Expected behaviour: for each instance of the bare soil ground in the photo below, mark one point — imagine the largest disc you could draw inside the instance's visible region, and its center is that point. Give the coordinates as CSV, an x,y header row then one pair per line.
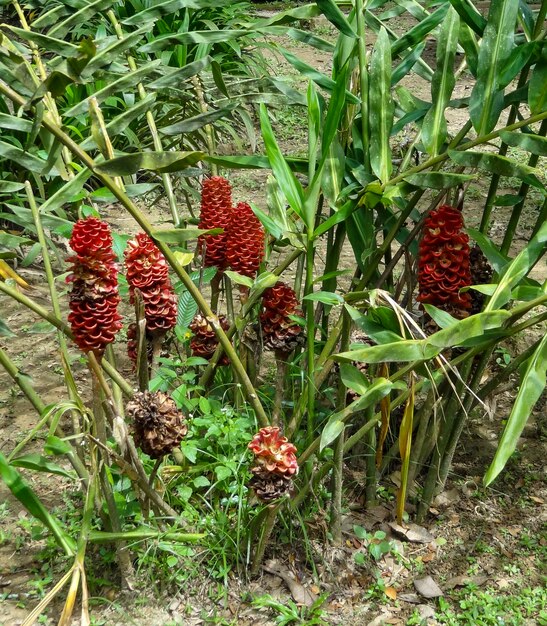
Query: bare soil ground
x,y
491,540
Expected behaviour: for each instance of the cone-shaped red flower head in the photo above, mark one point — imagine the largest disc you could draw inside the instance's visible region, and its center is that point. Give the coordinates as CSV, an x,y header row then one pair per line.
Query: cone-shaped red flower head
x,y
280,332
273,452
147,271
205,342
216,211
443,262
245,241
94,298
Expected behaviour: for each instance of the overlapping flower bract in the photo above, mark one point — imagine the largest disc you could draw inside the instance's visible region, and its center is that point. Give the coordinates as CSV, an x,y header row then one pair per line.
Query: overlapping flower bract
x,y
443,262
205,342
216,211
147,270
245,241
280,332
94,298
158,424
275,464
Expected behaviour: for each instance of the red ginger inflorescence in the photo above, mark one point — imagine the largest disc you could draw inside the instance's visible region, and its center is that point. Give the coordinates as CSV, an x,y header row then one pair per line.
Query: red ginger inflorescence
x,y
147,271
443,262
94,297
205,342
216,211
275,464
280,332
245,241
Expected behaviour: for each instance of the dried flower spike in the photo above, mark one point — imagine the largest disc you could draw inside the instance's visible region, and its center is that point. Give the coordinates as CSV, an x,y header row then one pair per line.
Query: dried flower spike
x,y
94,298
216,211
443,262
158,424
280,332
245,241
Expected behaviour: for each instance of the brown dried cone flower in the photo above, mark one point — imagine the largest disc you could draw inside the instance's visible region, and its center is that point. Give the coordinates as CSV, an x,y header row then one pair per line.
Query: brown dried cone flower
x,y
270,487
158,424
280,332
481,274
205,342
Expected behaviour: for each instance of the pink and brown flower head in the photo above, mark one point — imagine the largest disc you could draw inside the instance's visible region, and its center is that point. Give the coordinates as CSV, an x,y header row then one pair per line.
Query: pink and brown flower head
x,y
94,298
273,452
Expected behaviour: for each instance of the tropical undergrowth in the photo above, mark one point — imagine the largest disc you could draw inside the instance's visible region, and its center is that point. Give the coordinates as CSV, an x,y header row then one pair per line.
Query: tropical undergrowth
x,y
109,101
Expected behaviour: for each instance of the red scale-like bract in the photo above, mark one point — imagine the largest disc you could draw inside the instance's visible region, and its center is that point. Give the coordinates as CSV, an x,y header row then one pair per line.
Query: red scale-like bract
x,y
245,241
443,262
216,211
147,270
94,298
273,452
280,332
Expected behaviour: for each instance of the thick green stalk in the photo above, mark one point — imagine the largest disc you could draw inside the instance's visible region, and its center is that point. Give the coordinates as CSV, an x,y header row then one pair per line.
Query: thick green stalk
x,y
141,220
310,343
541,218
267,528
166,179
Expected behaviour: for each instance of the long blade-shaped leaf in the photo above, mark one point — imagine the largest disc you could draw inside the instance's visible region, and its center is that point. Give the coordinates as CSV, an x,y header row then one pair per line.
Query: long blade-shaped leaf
x,y
80,17
531,387
486,101
434,128
537,90
380,107
405,442
518,268
23,492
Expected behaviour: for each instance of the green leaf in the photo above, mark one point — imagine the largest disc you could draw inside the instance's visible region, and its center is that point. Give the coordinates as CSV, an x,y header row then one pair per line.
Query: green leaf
x,y
470,15
531,387
27,497
486,102
286,179
417,33
407,63
380,107
325,297
222,472
536,144
10,122
353,378
169,7
127,81
48,43
194,37
331,11
434,127
177,77
39,463
181,235
438,180
331,432
537,88
403,351
440,317
518,268
55,445
5,330
12,241
473,326
239,279
111,53
191,124
6,186
162,162
21,157
489,249
88,11
496,164
187,309
67,193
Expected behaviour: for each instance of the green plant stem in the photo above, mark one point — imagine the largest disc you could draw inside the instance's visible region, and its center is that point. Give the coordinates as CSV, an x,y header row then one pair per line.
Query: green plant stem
x,y
247,308
166,179
371,480
281,363
267,528
22,381
541,219
310,343
141,220
522,192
